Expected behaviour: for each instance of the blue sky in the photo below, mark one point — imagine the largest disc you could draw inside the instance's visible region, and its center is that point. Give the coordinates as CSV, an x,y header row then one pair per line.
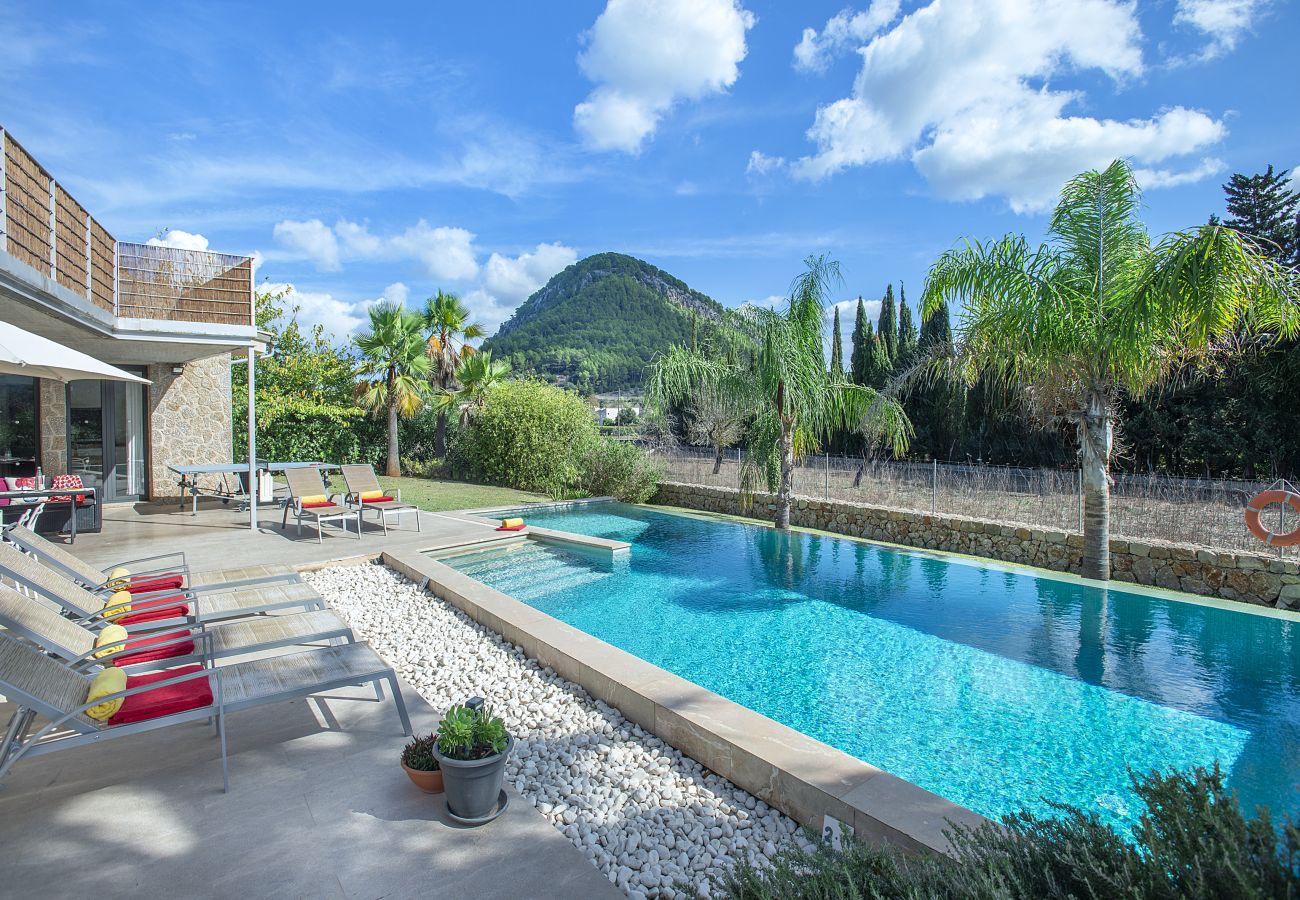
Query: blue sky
x,y
385,150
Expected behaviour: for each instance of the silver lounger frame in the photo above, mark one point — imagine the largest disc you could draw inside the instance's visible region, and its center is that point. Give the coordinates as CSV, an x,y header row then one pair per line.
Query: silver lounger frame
x,y
18,743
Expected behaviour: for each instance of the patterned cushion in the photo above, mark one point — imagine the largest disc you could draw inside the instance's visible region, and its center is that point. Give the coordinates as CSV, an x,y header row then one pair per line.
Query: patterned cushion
x,y
66,481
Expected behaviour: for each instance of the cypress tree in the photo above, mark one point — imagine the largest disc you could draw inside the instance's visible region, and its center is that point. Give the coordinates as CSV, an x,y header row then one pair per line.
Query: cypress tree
x,y
906,332
887,328
837,349
861,346
879,368
1264,207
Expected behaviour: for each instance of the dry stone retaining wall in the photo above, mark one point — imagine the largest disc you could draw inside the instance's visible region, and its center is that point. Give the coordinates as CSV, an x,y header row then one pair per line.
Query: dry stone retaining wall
x,y
1247,577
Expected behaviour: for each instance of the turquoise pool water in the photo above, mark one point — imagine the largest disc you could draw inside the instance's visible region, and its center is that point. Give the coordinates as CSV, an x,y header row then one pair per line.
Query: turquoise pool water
x,y
995,689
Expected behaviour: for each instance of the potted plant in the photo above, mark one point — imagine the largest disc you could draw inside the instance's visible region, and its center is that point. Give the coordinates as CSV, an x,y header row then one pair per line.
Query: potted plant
x,y
472,747
420,765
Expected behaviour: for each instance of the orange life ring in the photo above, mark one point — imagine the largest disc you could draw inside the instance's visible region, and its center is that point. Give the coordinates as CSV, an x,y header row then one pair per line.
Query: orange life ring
x,y
1256,506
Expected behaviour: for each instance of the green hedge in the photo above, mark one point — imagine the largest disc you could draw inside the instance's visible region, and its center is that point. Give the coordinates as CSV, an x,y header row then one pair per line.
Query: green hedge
x,y
294,429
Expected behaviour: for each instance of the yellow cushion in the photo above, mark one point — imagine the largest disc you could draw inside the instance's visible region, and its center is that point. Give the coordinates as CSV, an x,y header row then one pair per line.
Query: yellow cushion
x,y
371,495
511,523
119,579
315,498
117,605
110,640
110,681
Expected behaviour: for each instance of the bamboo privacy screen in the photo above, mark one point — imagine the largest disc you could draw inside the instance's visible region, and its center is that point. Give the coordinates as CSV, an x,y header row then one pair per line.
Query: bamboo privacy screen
x,y
183,285
27,207
45,227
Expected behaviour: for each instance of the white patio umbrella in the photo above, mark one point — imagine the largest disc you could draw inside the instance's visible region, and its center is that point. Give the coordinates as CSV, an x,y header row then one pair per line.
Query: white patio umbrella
x,y
24,353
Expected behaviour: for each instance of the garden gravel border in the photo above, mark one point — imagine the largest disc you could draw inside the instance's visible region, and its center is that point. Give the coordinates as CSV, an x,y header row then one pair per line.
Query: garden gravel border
x,y
654,821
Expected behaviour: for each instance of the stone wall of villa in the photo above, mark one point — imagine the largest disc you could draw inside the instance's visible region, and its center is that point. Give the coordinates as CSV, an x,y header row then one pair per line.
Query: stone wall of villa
x,y
1247,577
190,419
54,426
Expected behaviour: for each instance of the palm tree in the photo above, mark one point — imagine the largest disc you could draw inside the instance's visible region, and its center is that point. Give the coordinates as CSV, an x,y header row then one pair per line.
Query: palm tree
x,y
784,385
447,320
393,370
1099,310
475,378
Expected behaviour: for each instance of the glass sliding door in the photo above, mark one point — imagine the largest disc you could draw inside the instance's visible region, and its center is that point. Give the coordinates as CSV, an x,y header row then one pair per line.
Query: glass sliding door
x,y
86,433
128,439
106,437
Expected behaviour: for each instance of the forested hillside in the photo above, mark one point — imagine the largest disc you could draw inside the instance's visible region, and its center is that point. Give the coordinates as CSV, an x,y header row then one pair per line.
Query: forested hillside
x,y
599,322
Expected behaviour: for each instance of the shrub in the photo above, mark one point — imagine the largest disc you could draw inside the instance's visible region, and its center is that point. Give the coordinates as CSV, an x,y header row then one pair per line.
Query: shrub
x,y
619,470
1193,841
529,435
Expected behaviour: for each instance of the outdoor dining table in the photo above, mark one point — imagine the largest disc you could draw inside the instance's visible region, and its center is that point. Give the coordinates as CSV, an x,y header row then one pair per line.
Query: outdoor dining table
x,y
48,495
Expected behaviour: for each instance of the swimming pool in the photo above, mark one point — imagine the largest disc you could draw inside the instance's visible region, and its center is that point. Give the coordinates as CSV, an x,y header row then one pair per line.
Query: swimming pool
x,y
993,687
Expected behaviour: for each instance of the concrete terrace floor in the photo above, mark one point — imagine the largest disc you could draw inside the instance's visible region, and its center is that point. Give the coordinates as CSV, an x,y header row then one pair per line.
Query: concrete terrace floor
x,y
318,805
219,537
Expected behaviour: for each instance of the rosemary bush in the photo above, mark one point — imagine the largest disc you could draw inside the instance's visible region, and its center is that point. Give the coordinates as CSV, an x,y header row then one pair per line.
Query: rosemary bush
x,y
1192,841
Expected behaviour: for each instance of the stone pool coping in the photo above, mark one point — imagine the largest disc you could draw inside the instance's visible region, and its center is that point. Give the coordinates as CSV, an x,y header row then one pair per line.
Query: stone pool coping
x,y
800,776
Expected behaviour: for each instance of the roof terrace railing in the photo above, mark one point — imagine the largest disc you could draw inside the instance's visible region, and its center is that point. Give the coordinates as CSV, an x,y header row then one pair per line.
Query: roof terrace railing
x,y
42,225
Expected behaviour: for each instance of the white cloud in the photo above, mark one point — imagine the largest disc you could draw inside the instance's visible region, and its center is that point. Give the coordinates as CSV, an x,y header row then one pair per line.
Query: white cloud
x,y
1224,22
338,317
959,88
444,252
511,281
762,164
646,55
1158,178
487,310
846,28
183,240
312,239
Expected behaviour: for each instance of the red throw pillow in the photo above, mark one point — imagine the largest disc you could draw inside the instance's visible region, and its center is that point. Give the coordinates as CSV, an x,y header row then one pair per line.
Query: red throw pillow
x,y
66,481
319,504
164,701
383,499
142,650
147,584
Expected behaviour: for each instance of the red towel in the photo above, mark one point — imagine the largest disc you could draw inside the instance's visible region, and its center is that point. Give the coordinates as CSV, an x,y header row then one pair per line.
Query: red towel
x,y
383,499
147,584
142,650
511,528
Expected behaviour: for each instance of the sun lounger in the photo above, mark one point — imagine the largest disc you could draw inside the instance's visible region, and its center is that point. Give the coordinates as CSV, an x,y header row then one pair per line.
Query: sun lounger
x,y
309,499
74,642
365,494
177,607
50,688
149,574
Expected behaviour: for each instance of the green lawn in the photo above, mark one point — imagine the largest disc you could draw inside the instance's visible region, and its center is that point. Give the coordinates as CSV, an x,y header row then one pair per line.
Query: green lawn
x,y
438,496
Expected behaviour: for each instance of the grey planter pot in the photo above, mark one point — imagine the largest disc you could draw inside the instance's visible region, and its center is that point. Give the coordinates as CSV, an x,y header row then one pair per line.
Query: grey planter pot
x,y
473,786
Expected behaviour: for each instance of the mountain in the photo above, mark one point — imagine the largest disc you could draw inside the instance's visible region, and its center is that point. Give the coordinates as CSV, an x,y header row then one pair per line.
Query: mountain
x,y
599,322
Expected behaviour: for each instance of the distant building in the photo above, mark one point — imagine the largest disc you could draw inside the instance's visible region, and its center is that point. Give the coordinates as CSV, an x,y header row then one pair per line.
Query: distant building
x,y
608,415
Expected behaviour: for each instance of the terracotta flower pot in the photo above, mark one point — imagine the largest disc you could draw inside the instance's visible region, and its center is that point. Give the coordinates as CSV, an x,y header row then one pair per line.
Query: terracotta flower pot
x,y
429,782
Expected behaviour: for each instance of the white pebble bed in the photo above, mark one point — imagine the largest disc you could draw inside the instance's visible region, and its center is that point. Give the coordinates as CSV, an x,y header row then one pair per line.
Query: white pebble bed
x,y
648,817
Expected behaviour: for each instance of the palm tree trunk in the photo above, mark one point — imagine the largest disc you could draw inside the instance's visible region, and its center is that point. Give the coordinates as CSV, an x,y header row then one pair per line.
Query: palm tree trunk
x,y
787,477
440,437
717,459
1095,439
394,466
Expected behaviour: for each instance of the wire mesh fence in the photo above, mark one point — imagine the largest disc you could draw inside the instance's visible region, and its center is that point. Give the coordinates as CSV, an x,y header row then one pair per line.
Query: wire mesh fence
x,y
1188,511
